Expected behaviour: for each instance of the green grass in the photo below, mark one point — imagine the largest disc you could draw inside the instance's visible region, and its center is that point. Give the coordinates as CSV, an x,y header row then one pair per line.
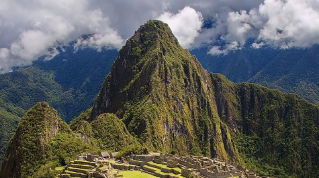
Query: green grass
x,y
59,168
135,174
163,173
85,166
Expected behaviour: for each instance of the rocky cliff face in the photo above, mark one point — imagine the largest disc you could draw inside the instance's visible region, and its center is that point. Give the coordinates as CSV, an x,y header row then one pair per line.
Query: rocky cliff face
x,y
167,100
164,96
27,148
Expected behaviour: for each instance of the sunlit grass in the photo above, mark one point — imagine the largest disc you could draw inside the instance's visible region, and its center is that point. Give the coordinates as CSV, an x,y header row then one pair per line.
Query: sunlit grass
x,y
59,168
135,174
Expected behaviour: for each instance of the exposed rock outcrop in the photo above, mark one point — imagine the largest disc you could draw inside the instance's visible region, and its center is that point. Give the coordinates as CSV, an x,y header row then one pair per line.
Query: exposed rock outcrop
x,y
164,96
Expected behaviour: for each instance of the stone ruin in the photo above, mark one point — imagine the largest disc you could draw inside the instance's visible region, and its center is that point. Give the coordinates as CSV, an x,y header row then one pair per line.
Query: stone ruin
x,y
202,166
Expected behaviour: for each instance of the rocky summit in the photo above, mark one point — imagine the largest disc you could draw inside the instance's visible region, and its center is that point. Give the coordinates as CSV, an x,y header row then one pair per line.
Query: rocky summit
x,y
164,96
159,98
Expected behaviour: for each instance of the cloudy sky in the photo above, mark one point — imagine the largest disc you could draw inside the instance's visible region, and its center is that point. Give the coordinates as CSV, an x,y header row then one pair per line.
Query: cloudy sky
x,y
29,27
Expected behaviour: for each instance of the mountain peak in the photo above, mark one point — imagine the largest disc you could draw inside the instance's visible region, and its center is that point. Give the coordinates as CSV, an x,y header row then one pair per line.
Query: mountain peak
x,y
163,95
154,30
153,47
30,142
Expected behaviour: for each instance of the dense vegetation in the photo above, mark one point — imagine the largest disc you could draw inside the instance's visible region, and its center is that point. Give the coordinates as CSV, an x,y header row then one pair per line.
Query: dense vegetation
x,y
108,131
42,141
278,133
292,70
8,123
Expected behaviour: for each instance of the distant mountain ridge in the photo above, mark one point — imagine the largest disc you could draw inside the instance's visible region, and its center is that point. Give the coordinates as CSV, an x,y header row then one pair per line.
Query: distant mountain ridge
x,y
294,70
69,82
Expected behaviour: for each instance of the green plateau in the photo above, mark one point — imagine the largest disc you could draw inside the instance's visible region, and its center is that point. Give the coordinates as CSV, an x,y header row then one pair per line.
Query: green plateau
x,y
159,98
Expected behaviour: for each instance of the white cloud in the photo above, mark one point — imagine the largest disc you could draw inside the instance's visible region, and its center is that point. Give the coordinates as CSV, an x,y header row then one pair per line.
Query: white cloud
x,y
29,28
215,50
257,45
234,45
41,24
283,24
290,23
218,50
30,44
4,56
185,25
242,25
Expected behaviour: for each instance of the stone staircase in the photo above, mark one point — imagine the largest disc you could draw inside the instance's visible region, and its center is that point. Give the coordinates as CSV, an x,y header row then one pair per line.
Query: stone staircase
x,y
82,169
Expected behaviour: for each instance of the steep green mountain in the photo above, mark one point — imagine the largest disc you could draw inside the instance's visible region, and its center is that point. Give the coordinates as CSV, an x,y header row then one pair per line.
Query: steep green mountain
x,y
170,103
292,70
278,134
164,96
27,149
69,82
41,142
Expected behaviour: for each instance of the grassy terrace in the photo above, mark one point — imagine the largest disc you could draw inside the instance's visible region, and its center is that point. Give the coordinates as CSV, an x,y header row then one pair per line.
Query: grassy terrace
x,y
59,168
84,166
164,166
135,174
163,173
71,172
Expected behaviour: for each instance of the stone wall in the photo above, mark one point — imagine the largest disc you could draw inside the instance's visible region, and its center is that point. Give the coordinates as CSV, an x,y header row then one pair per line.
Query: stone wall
x,y
211,168
97,175
87,162
138,163
146,158
120,166
148,169
186,172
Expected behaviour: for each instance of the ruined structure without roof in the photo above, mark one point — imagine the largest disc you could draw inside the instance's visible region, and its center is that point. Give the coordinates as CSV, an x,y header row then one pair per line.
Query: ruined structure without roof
x,y
202,166
173,166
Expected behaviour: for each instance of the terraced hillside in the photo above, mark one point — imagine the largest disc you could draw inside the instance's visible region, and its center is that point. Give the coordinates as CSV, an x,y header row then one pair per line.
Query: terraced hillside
x,y
153,164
